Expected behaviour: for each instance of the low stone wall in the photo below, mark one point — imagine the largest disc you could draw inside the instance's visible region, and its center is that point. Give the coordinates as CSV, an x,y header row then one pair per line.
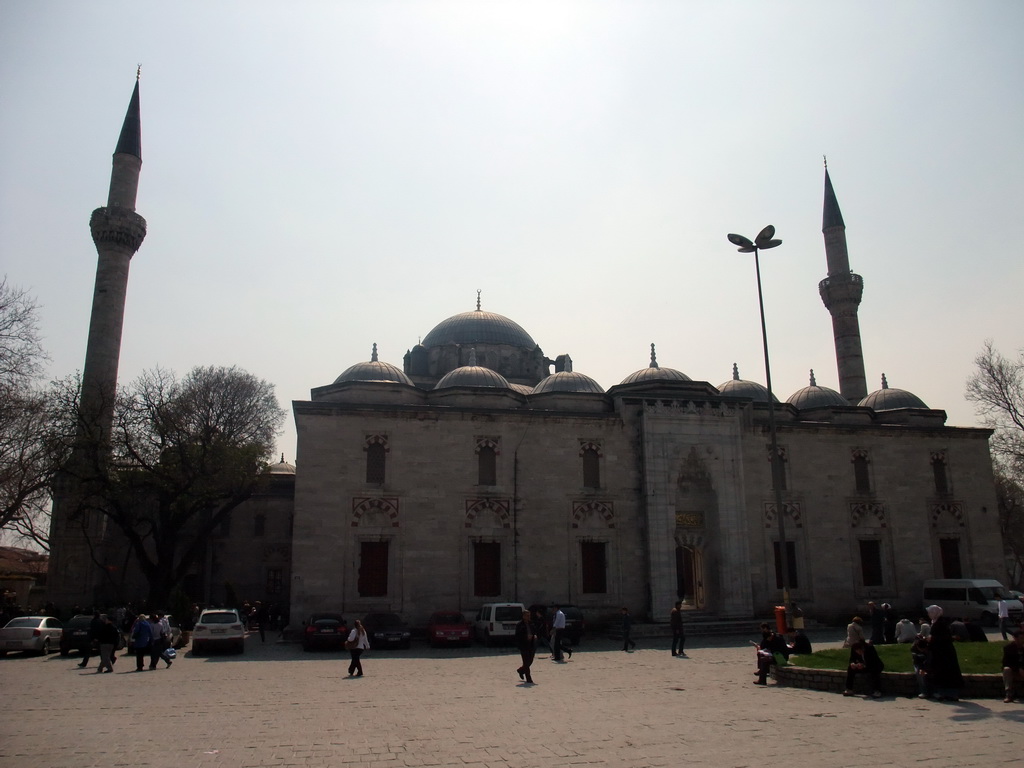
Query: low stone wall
x,y
893,683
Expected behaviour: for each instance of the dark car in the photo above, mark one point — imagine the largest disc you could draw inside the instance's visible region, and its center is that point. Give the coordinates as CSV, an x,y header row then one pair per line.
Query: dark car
x,y
324,631
449,628
76,636
386,630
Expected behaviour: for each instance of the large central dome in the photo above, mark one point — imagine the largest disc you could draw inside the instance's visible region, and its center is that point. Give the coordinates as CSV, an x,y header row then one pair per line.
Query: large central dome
x,y
478,327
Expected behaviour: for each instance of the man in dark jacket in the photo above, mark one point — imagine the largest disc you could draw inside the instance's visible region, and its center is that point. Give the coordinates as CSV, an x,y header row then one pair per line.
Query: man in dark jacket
x,y
93,639
864,661
526,641
628,643
1013,666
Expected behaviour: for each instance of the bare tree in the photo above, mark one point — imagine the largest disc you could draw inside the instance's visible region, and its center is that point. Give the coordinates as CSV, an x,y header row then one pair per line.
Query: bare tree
x,y
27,448
997,389
184,453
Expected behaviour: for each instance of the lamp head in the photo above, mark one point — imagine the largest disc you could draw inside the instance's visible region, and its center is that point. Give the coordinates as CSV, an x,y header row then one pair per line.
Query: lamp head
x,y
745,246
764,238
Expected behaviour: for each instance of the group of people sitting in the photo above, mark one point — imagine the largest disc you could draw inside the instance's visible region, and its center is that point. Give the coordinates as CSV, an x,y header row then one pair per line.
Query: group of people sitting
x,y
794,642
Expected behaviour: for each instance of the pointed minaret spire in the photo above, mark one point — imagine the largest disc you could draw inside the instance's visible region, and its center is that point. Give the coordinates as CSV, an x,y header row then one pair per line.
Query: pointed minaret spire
x,y
117,232
373,355
654,359
841,293
735,372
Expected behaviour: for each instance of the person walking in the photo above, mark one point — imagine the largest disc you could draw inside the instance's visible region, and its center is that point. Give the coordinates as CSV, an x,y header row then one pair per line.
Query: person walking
x,y
357,643
944,668
1003,610
107,637
675,620
557,628
142,639
526,640
628,643
93,637
161,639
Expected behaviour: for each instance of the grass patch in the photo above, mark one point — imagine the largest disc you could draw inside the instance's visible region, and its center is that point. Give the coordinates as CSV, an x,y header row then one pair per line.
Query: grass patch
x,y
975,658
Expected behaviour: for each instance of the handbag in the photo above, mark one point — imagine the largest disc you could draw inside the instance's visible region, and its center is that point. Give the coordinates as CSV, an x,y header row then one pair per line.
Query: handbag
x,y
351,645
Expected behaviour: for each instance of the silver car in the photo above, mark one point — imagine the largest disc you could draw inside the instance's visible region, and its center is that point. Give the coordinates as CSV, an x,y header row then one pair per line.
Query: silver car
x,y
39,634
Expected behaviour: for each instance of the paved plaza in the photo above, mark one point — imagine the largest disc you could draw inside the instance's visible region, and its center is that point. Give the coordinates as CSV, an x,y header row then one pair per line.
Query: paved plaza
x,y
278,706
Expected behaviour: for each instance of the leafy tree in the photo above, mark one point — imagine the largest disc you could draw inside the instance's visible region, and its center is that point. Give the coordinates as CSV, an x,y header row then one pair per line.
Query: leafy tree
x,y
183,454
29,451
997,389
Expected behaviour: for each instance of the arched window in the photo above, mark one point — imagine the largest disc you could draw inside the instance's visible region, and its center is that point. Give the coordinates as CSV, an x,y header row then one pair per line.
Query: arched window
x,y
375,463
487,466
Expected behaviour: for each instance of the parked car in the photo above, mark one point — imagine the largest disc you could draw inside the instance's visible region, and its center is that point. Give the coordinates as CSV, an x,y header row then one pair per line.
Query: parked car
x,y
38,634
449,628
496,622
324,631
75,636
219,628
386,630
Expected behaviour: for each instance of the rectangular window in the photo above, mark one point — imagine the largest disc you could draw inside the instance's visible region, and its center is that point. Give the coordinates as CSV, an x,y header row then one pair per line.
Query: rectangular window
x,y
486,569
591,469
487,466
790,563
594,567
375,463
373,569
871,562
949,551
860,475
779,472
275,581
941,480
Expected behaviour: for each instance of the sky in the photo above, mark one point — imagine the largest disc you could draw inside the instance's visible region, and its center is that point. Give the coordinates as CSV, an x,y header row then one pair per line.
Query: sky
x,y
321,176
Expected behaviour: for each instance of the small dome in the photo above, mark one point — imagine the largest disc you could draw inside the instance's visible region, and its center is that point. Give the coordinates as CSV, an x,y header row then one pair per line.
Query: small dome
x,y
473,375
478,327
654,372
522,389
568,381
889,399
281,468
374,371
737,387
814,396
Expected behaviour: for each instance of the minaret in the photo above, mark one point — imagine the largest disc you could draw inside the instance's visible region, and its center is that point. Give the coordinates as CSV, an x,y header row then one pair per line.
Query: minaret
x,y
117,231
841,292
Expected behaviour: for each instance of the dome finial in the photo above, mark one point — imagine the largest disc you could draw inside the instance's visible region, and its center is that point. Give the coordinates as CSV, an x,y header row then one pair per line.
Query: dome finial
x,y
282,458
654,359
735,372
477,299
373,355
813,382
885,384
472,356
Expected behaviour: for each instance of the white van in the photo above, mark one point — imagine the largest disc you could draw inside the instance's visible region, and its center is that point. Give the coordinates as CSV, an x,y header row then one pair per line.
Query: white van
x,y
971,599
497,621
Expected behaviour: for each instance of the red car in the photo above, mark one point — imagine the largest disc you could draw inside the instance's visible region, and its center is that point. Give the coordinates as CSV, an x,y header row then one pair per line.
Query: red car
x,y
449,628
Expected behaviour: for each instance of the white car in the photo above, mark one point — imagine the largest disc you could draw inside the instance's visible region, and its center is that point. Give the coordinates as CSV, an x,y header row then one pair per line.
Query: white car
x,y
219,628
39,634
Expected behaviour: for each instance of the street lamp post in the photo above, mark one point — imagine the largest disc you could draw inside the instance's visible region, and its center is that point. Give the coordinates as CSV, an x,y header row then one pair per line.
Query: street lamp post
x,y
764,241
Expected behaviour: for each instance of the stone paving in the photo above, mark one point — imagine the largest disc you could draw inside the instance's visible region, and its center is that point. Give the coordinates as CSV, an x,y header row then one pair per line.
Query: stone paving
x,y
278,706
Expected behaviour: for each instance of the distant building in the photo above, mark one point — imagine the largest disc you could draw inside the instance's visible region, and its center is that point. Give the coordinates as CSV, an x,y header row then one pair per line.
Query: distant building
x,y
22,577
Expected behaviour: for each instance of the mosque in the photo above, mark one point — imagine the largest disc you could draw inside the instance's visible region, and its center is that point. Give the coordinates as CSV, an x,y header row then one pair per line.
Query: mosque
x,y
481,470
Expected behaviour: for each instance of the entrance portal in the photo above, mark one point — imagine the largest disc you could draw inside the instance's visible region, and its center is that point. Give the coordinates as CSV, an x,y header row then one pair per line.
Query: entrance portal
x,y
690,577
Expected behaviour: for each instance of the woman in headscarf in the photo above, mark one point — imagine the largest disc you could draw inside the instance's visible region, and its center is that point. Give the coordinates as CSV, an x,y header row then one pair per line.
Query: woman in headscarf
x,y
944,675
